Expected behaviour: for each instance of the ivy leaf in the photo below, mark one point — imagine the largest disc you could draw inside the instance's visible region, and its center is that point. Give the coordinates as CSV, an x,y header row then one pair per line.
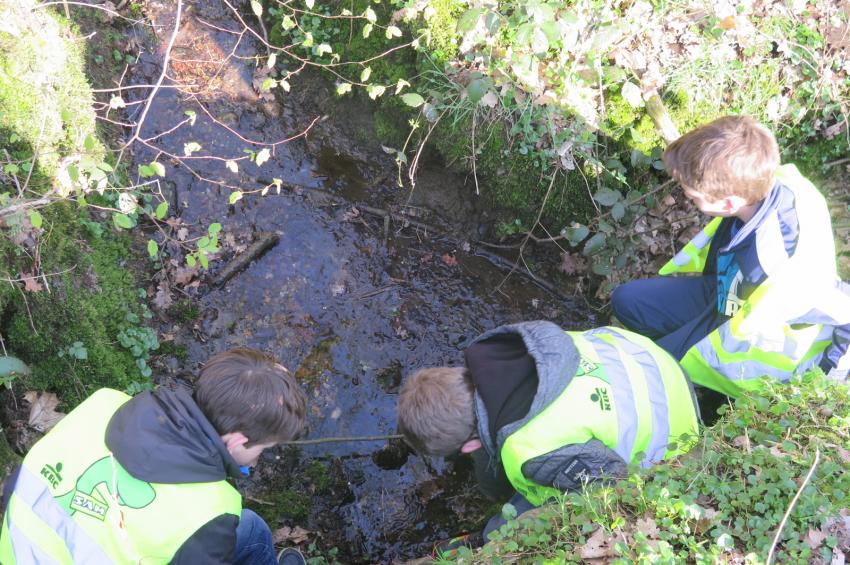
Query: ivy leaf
x,y
122,221
161,210
365,74
308,40
607,197
412,99
343,87
375,90
35,219
191,147
323,48
235,197
117,102
88,142
575,235
392,31
468,20
477,89
367,29
288,23
595,244
192,116
257,7
158,168
271,61
400,85
153,248
370,15
262,156
618,211
232,166
309,3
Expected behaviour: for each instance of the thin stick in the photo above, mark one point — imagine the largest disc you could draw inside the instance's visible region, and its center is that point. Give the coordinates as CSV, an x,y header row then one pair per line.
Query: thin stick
x,y
341,439
791,506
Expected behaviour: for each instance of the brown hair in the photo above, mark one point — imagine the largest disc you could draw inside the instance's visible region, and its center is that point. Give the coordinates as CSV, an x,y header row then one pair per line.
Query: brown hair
x,y
245,390
731,156
435,410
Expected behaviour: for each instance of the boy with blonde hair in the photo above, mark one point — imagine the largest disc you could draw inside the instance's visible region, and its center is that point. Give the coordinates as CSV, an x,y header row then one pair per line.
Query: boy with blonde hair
x,y
144,479
543,410
766,299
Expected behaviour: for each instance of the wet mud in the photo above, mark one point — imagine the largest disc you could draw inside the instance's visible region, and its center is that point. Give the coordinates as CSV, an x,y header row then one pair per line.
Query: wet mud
x,y
350,303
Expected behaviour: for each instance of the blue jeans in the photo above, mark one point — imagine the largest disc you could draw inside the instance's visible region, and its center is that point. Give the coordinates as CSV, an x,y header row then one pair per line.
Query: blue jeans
x,y
675,312
254,544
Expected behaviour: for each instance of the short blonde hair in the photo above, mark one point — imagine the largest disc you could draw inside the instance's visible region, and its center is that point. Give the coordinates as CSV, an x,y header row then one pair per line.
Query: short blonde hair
x,y
435,410
731,156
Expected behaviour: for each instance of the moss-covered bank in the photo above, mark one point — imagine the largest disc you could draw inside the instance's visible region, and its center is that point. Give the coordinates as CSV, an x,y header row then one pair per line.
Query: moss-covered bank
x,y
70,307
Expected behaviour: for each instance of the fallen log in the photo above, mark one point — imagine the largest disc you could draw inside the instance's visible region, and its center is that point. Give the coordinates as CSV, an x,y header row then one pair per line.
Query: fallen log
x,y
263,242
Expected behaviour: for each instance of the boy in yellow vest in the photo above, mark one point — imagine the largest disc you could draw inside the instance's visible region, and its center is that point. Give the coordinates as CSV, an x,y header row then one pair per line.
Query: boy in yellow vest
x,y
144,479
543,410
766,299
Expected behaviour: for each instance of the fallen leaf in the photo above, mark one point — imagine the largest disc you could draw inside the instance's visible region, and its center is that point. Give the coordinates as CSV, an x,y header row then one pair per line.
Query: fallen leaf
x,y
295,535
598,546
572,263
43,415
31,283
815,538
183,275
647,527
162,300
351,214
449,260
844,454
727,23
182,234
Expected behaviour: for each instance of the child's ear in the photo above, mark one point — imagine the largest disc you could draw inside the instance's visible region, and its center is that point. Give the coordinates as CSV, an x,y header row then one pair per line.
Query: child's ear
x,y
470,446
234,440
731,204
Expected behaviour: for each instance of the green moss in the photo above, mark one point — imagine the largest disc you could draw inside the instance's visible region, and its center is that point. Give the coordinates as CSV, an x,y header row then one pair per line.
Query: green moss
x,y
319,476
280,504
178,351
184,310
88,294
45,100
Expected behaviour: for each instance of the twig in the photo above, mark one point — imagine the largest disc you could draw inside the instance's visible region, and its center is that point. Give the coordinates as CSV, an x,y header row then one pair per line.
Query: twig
x,y
791,506
837,161
14,177
161,76
474,172
14,208
341,439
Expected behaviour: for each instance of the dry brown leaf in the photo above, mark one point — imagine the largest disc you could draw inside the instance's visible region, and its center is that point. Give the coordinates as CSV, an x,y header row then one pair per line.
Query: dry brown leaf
x,y
449,260
647,527
572,263
598,546
295,535
843,453
162,300
183,275
43,415
182,234
727,23
815,538
351,214
31,283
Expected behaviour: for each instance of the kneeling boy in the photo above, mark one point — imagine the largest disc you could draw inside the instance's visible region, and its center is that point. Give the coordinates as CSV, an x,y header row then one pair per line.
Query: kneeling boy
x,y
545,410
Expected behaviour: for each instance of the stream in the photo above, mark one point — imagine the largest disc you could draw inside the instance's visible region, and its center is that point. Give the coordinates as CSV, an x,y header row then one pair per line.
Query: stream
x,y
349,303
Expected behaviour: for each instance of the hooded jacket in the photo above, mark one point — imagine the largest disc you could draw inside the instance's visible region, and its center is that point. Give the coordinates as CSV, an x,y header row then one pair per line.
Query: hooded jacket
x,y
163,437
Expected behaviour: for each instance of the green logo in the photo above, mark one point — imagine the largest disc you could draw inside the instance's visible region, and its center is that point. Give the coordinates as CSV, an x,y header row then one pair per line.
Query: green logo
x,y
52,474
600,396
85,496
585,366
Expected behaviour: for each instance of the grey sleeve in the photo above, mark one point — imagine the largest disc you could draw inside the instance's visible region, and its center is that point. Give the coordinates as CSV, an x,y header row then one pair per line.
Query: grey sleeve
x,y
567,467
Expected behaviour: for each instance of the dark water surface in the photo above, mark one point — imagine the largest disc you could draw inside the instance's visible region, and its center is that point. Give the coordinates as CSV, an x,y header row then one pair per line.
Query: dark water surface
x,y
350,311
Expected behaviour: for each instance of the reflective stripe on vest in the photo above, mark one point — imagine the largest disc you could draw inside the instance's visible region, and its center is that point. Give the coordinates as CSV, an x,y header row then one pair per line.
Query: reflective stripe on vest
x,y
22,550
33,492
656,397
692,258
650,408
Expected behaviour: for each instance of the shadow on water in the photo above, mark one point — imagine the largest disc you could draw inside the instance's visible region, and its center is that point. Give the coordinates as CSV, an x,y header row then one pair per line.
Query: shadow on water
x,y
350,311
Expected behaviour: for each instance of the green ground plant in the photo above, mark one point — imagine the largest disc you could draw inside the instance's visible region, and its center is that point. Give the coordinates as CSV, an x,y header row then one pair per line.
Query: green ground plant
x,y
766,480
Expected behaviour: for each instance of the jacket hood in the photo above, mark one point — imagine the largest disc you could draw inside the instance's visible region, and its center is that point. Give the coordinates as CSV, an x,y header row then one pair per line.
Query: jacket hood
x,y
556,359
163,437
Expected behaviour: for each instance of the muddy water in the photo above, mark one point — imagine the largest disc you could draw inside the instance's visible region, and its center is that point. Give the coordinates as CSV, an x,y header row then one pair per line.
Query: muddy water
x,y
349,306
